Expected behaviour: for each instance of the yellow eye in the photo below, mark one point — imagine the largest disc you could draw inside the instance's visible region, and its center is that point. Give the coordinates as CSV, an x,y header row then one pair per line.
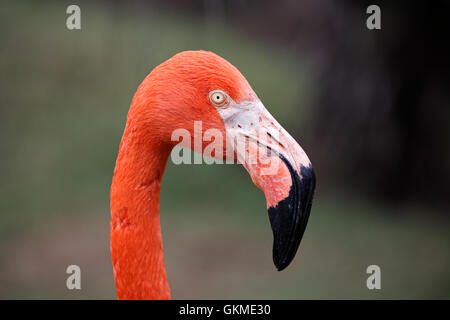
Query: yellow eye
x,y
217,97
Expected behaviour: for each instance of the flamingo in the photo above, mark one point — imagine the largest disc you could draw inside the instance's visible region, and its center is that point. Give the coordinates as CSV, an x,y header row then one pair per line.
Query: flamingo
x,y
198,86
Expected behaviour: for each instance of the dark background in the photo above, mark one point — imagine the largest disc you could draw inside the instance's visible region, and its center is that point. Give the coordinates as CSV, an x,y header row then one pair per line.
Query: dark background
x,y
370,107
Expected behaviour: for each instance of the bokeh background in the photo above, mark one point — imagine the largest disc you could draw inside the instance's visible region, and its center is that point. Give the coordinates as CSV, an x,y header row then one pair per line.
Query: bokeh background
x,y
371,109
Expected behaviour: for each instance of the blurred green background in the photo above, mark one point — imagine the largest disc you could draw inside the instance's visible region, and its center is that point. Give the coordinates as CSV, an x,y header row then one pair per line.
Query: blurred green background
x,y
64,96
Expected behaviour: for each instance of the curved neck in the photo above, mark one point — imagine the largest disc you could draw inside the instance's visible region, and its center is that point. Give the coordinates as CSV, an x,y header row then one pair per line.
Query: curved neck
x,y
136,243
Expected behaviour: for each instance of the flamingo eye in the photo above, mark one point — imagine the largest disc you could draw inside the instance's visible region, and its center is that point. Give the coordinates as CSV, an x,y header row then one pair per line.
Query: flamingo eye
x,y
218,98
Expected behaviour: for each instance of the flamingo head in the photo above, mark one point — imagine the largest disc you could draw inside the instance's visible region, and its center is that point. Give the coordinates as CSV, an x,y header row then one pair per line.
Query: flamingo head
x,y
201,87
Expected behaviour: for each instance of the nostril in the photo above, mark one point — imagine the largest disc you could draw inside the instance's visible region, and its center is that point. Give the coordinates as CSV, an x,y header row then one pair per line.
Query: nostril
x,y
272,138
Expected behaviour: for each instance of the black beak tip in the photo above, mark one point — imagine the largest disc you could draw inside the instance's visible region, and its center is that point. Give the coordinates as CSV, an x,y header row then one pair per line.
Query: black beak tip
x,y
279,266
289,218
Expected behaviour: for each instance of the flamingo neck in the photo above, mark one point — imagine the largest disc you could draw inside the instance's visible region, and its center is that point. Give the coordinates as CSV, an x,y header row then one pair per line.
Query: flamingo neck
x,y
136,243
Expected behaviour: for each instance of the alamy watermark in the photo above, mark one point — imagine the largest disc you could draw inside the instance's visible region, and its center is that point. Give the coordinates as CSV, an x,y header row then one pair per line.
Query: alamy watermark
x,y
373,22
374,280
73,21
250,149
74,280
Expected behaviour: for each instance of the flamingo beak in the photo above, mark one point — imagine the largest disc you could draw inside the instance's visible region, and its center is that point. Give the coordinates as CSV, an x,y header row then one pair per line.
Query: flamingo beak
x,y
289,216
279,167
